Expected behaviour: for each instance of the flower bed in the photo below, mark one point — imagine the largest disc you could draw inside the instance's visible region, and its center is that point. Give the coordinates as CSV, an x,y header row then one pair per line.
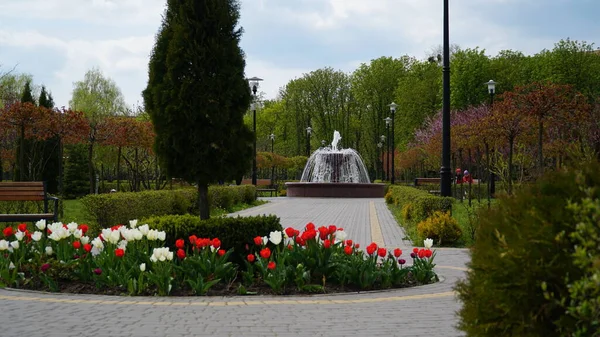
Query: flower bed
x,y
132,260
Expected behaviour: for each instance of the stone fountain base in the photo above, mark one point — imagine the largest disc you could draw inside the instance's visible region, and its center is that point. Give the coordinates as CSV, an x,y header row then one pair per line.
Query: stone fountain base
x,y
335,190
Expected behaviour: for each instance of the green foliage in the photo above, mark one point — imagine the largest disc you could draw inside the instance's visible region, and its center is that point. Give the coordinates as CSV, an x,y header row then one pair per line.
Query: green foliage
x,y
234,233
516,284
441,227
118,208
422,203
76,181
584,293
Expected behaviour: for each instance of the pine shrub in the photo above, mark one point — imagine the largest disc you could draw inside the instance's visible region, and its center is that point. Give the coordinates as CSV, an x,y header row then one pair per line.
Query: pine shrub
x,y
522,265
441,227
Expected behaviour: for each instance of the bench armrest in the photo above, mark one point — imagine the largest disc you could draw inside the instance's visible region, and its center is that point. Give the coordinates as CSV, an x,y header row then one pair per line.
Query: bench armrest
x,y
55,199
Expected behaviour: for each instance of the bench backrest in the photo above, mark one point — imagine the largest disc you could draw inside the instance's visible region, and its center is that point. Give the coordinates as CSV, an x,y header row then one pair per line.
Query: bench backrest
x,y
22,191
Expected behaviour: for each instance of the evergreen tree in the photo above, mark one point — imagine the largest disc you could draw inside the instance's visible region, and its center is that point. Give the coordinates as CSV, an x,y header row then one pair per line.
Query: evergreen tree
x,y
197,94
76,179
24,145
50,149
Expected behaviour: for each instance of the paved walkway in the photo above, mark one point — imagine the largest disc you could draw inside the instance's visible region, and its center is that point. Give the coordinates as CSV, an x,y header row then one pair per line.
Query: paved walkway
x,y
420,311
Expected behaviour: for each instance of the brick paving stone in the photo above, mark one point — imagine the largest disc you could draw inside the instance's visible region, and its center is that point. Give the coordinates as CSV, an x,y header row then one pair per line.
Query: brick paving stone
x,y
401,312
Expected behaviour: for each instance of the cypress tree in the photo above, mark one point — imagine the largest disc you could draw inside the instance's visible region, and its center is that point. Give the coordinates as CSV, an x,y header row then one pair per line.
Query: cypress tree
x,y
197,94
50,149
24,145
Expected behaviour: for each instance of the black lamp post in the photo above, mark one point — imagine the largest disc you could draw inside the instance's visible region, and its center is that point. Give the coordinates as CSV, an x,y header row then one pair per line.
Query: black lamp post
x,y
272,137
446,171
382,138
393,107
254,87
388,121
380,159
308,133
492,183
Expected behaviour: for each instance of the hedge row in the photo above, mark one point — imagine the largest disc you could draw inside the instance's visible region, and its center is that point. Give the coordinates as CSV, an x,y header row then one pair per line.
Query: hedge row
x,y
234,233
118,208
417,205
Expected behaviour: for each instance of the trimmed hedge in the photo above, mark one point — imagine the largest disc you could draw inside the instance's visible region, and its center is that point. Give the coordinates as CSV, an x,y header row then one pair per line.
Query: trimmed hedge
x,y
522,277
234,233
418,205
118,208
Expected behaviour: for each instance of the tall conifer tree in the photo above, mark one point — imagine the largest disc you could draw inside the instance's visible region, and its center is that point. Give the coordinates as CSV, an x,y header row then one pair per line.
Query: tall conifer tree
x,y
197,94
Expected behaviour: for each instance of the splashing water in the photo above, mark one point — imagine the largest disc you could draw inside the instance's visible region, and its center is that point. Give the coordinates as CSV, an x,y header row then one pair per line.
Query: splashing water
x,y
334,165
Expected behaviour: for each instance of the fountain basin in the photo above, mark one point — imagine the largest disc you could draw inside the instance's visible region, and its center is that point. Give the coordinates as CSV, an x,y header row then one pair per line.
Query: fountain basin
x,y
335,190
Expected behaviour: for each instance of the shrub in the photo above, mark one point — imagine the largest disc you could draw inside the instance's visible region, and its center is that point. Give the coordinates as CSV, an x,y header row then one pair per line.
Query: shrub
x,y
76,179
441,227
118,208
407,211
516,284
234,232
423,203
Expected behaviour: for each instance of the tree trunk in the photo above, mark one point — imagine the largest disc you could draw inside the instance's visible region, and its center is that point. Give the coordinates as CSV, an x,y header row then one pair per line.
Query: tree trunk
x,y
203,201
60,167
511,142
540,147
91,166
119,169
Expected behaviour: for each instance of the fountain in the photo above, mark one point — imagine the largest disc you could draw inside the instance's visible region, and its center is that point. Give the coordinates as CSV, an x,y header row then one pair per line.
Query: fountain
x,y
334,172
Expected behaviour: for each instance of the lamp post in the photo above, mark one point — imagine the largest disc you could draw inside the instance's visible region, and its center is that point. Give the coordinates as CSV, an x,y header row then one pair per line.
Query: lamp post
x,y
380,149
388,121
272,137
492,181
253,82
445,171
382,138
393,107
323,142
308,133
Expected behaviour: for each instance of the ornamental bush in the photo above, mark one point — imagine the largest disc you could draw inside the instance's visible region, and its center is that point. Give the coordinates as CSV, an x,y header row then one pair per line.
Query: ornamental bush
x,y
423,203
234,232
522,273
441,227
115,208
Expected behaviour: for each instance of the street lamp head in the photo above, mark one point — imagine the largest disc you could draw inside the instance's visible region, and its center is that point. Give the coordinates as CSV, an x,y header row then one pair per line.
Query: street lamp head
x,y
323,142
379,145
309,130
382,137
272,136
491,87
387,120
253,82
393,107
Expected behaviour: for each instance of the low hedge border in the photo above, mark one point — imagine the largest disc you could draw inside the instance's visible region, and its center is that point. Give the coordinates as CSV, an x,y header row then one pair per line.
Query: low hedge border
x,y
118,208
233,232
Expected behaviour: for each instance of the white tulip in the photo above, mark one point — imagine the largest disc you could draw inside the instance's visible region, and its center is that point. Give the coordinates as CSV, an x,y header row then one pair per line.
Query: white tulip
x,y
49,250
275,237
142,266
77,234
72,227
144,229
133,223
19,235
122,244
340,236
265,240
84,239
15,244
137,235
3,245
11,266
36,236
162,235
428,243
41,225
153,258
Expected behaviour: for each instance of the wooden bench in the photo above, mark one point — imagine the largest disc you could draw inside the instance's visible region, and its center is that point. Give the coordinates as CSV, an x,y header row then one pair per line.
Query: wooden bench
x,y
419,181
27,191
263,185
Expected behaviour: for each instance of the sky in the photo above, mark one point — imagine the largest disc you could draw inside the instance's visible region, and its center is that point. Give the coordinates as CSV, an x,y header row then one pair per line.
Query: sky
x,y
57,41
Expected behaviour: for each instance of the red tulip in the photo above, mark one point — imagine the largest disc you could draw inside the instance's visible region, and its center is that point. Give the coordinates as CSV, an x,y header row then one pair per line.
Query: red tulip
x,y
356,245
76,244
382,252
309,226
348,250
193,239
181,254
22,227
179,243
87,247
8,231
397,252
258,241
371,248
271,265
221,252
348,242
265,253
332,229
428,253
327,244
416,250
250,258
216,243
84,228
323,232
421,253
119,252
290,232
